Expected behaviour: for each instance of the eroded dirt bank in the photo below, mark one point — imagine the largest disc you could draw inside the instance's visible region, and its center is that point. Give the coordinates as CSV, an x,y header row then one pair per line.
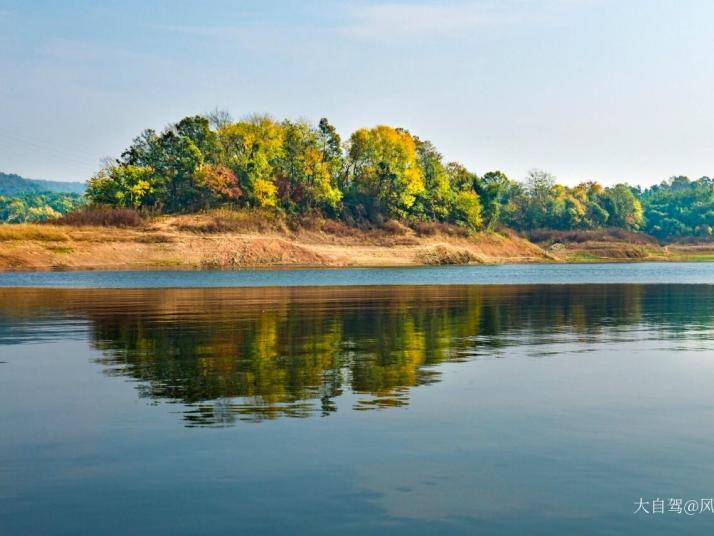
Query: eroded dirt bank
x,y
208,242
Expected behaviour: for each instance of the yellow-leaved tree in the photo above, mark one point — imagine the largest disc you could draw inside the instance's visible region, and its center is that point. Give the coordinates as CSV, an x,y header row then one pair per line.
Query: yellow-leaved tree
x,y
253,148
384,170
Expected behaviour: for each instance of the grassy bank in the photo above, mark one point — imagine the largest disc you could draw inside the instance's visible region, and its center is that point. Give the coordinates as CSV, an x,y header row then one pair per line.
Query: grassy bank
x,y
616,245
232,240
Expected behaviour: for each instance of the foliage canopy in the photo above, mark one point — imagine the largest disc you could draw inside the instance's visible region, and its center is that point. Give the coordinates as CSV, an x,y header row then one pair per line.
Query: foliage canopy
x,y
377,174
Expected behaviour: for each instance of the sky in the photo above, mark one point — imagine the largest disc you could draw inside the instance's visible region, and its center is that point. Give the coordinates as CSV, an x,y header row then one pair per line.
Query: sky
x,y
604,90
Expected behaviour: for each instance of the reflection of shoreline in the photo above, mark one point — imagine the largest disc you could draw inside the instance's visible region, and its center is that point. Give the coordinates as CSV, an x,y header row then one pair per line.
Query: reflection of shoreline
x,y
263,353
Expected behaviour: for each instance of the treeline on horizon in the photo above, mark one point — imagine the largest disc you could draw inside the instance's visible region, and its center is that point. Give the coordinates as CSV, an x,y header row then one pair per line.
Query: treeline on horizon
x,y
377,174
29,207
32,200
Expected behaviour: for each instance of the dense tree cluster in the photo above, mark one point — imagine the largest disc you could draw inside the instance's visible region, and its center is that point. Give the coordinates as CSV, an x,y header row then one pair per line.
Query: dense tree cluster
x,y
377,174
540,202
680,208
37,207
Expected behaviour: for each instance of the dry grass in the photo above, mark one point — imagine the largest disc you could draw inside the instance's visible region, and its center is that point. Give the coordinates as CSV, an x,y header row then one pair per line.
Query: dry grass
x,y
50,233
706,241
432,228
395,228
30,231
319,224
232,240
262,252
442,254
157,238
103,217
551,236
307,227
338,228
391,231
232,221
616,253
65,250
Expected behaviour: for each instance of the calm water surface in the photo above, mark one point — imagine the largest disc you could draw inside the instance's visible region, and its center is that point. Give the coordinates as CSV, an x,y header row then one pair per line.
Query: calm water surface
x,y
649,272
475,409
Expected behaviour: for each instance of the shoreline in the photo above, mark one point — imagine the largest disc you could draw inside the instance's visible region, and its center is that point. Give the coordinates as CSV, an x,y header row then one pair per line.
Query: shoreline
x,y
191,243
123,268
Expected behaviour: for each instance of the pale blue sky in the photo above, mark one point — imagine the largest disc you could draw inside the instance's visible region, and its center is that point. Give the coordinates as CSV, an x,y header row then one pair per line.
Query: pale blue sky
x,y
587,89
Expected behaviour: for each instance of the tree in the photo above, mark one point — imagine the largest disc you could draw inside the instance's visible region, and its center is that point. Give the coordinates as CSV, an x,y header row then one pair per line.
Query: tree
x,y
384,171
219,118
331,144
180,158
467,210
197,130
38,214
173,156
35,207
435,200
680,207
570,210
380,173
332,151
624,208
590,194
145,150
537,204
307,180
217,184
123,186
253,148
493,189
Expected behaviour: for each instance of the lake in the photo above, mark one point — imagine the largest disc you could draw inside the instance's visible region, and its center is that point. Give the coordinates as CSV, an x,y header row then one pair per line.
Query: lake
x,y
526,408
649,272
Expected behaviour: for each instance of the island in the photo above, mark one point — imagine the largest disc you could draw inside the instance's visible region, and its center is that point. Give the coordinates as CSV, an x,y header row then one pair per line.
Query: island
x,y
209,192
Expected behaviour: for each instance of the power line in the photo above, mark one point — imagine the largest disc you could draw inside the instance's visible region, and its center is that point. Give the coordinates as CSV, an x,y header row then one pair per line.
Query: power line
x,y
12,142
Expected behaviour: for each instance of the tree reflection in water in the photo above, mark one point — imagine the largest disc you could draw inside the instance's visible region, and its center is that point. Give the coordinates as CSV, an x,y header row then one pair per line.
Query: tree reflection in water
x,y
263,353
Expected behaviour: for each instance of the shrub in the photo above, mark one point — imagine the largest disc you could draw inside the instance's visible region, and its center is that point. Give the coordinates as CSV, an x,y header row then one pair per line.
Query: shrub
x,y
394,227
103,216
550,236
234,221
431,228
442,254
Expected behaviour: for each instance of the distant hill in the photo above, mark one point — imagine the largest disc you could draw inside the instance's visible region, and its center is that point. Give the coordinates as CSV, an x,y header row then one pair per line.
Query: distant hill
x,y
11,184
